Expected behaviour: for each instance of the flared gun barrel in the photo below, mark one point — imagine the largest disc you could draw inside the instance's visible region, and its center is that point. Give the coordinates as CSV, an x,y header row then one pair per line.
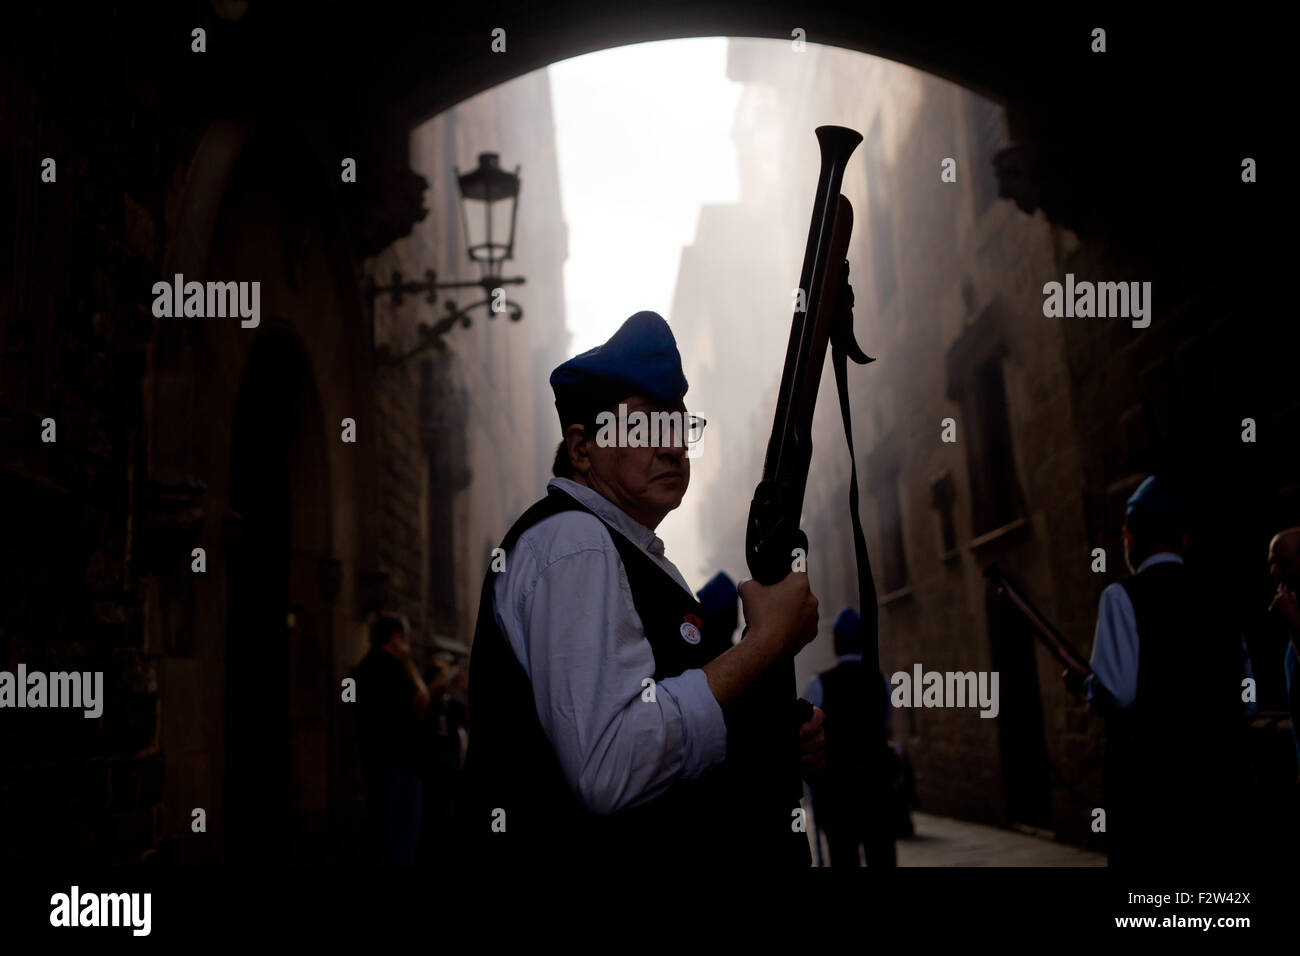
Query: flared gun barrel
x,y
774,515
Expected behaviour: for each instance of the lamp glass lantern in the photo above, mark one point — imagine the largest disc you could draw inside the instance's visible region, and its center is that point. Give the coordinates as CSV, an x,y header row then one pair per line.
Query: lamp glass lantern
x,y
489,200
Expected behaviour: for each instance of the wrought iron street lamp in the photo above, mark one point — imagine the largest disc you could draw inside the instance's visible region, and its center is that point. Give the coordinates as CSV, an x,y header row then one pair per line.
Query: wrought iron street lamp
x,y
489,200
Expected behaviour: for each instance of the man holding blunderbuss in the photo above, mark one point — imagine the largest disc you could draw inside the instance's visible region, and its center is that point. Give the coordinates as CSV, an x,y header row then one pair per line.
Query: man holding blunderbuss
x,y
611,721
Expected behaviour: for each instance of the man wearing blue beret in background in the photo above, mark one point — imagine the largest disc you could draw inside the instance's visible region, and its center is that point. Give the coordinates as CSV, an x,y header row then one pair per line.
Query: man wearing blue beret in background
x,y
1167,675
721,603
613,723
856,701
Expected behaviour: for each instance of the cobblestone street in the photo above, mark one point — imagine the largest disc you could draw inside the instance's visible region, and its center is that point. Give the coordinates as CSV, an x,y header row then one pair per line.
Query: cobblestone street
x,y
943,841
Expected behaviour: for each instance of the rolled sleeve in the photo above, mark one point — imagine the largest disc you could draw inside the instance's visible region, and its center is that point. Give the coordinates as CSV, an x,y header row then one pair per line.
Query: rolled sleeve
x,y
704,730
589,659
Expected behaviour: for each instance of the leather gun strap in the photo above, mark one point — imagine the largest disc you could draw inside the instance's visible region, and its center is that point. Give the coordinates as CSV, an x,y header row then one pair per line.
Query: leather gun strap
x,y
866,584
879,845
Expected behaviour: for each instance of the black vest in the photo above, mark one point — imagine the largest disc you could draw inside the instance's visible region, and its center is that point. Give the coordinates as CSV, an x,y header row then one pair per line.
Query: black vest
x,y
855,737
740,811
1176,757
1190,664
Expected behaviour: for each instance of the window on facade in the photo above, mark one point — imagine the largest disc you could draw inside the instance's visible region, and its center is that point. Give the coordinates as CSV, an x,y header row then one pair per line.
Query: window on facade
x,y
442,405
994,489
893,558
942,498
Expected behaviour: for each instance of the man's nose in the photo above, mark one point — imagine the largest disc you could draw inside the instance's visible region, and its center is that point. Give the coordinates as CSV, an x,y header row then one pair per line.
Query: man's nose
x,y
675,451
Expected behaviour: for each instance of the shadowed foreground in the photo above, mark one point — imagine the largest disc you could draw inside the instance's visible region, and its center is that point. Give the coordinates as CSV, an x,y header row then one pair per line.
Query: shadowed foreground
x,y
943,841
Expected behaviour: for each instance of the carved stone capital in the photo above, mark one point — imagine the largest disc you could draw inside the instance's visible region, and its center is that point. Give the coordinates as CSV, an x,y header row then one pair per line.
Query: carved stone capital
x,y
387,207
1070,191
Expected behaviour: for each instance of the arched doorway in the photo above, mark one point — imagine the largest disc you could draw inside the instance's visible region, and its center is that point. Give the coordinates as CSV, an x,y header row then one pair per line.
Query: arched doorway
x,y
278,645
236,421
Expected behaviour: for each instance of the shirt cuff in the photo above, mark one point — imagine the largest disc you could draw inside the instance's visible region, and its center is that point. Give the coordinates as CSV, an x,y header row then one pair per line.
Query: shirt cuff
x,y
704,731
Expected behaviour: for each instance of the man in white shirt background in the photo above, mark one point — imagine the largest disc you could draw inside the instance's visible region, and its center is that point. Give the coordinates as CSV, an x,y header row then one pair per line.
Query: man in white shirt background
x,y
1167,675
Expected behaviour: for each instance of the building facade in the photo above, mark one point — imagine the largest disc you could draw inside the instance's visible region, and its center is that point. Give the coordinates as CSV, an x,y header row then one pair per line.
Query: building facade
x,y
208,510
986,433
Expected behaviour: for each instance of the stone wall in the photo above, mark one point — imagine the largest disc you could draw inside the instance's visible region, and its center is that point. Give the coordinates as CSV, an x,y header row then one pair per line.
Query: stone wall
x,y
157,173
946,278
489,429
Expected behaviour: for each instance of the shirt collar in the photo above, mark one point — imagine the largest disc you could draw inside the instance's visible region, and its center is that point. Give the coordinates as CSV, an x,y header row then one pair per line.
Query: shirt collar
x,y
630,528
1161,557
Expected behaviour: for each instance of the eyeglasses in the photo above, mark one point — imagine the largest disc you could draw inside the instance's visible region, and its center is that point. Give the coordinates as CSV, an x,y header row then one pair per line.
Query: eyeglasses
x,y
694,428
663,429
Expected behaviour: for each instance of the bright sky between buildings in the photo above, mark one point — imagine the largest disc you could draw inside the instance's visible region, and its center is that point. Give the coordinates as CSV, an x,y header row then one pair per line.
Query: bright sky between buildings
x,y
643,136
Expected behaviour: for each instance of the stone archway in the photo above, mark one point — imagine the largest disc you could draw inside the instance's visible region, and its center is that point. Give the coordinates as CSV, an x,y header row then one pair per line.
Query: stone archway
x,y
240,462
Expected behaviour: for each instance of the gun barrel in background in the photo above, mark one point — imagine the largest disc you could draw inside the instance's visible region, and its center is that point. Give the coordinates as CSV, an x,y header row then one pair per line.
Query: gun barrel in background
x,y
1047,633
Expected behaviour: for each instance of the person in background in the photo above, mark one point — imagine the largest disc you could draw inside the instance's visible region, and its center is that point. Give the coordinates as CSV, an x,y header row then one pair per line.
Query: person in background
x,y
1167,676
391,700
721,603
440,762
851,795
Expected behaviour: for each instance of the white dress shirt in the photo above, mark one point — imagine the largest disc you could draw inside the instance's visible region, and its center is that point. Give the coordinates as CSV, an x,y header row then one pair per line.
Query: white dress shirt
x,y
565,605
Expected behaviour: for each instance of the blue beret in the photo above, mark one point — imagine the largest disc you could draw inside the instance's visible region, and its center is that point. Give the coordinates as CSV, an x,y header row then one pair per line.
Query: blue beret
x,y
1155,497
848,624
719,594
641,358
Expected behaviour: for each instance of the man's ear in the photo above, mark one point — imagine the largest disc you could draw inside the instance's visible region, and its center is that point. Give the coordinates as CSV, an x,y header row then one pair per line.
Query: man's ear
x,y
575,441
